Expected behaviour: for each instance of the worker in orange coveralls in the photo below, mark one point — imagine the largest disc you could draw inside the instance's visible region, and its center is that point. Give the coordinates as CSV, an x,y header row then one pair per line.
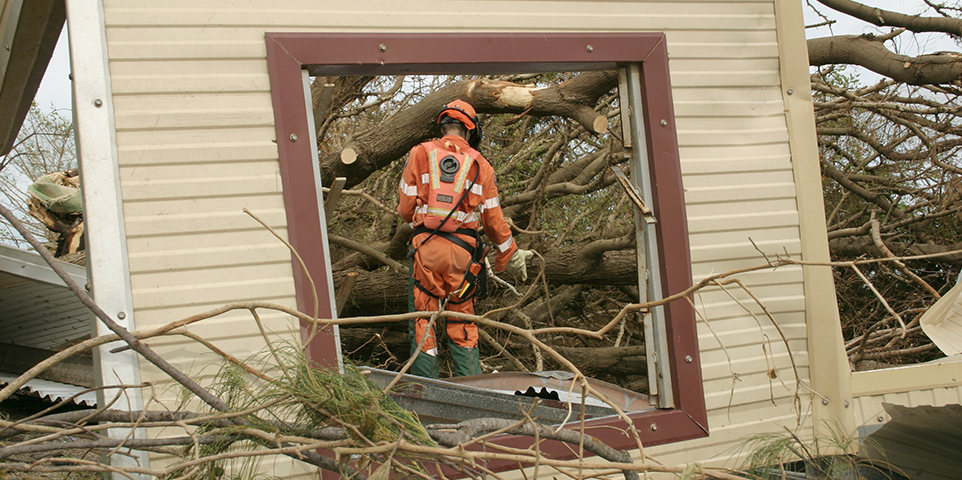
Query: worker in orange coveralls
x,y
445,184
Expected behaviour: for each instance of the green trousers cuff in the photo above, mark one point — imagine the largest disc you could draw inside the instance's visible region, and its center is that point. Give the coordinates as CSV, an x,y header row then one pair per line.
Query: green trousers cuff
x,y
466,360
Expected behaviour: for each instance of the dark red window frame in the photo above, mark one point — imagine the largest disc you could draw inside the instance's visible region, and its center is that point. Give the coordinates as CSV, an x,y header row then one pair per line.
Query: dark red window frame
x,y
450,53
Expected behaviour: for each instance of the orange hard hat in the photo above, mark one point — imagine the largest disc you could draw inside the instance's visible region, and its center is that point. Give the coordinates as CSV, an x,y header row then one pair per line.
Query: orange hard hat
x,y
461,111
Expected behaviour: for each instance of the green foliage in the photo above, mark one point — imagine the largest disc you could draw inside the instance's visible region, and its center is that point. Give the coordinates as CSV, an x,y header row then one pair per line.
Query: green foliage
x,y
775,456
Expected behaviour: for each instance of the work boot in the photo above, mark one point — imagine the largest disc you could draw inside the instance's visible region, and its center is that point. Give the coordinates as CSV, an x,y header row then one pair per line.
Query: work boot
x,y
467,361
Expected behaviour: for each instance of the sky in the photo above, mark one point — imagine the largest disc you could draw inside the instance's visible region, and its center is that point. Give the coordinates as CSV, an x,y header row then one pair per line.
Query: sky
x,y
55,88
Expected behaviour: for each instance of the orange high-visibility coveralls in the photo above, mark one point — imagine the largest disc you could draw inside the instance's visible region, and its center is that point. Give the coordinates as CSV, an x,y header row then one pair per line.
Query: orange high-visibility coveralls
x,y
439,265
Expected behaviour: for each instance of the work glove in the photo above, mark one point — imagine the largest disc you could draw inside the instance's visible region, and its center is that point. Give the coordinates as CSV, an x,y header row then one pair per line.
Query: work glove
x,y
516,265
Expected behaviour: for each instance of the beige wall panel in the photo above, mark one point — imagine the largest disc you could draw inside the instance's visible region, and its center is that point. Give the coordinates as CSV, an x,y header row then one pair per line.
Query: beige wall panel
x,y
749,389
728,239
234,326
735,179
697,211
211,257
164,315
724,133
160,173
159,112
742,221
722,78
176,217
715,44
387,15
254,235
747,360
745,252
194,186
712,336
747,155
136,44
215,294
739,192
190,76
215,145
737,332
720,303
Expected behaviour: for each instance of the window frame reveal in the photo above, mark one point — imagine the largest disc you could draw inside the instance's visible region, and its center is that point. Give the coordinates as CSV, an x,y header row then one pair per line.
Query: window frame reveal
x,y
293,57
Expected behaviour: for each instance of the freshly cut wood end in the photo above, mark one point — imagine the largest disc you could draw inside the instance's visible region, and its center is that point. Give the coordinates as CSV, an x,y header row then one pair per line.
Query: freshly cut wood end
x,y
348,156
600,124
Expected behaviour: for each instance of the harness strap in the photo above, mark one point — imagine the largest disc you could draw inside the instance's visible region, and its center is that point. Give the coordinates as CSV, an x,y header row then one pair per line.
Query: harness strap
x,y
452,302
451,237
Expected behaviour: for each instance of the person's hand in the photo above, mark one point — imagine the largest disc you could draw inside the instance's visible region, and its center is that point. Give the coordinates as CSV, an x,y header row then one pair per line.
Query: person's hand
x,y
516,265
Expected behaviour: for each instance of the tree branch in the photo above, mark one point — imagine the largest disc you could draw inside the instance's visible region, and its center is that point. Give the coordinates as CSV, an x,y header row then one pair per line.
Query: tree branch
x,y
886,18
867,51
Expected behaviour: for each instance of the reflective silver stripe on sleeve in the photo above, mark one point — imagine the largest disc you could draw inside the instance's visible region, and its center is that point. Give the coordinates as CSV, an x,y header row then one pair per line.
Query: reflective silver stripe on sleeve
x,y
422,209
503,247
491,203
425,177
408,190
477,189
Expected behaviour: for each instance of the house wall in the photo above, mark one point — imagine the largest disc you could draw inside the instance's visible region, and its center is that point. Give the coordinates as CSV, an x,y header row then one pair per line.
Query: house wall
x,y
195,145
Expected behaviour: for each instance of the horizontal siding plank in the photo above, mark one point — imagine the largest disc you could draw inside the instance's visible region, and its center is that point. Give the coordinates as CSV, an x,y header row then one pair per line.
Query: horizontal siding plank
x,y
201,257
151,318
733,193
199,188
721,110
184,291
748,389
162,112
764,238
742,221
732,332
745,251
386,15
211,215
698,159
190,147
731,131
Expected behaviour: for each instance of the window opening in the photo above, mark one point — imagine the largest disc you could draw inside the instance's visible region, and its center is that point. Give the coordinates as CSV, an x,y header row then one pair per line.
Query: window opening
x,y
557,186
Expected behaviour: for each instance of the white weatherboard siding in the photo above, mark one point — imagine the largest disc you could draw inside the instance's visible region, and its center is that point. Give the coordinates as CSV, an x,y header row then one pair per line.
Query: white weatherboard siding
x,y
196,144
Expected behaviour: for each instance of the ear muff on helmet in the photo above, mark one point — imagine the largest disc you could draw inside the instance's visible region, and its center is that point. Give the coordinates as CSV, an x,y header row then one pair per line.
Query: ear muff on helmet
x,y
463,113
475,139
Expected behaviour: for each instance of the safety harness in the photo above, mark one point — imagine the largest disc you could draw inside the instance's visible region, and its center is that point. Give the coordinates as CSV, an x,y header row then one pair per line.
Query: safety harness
x,y
447,179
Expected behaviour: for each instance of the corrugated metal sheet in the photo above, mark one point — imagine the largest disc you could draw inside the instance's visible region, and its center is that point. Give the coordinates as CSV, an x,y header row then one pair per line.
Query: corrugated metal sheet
x,y
36,308
53,391
195,136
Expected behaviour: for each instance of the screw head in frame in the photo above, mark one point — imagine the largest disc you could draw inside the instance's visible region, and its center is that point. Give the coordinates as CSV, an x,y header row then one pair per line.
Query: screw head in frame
x,y
382,47
98,103
790,91
653,427
824,401
664,123
121,315
590,49
293,137
688,358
